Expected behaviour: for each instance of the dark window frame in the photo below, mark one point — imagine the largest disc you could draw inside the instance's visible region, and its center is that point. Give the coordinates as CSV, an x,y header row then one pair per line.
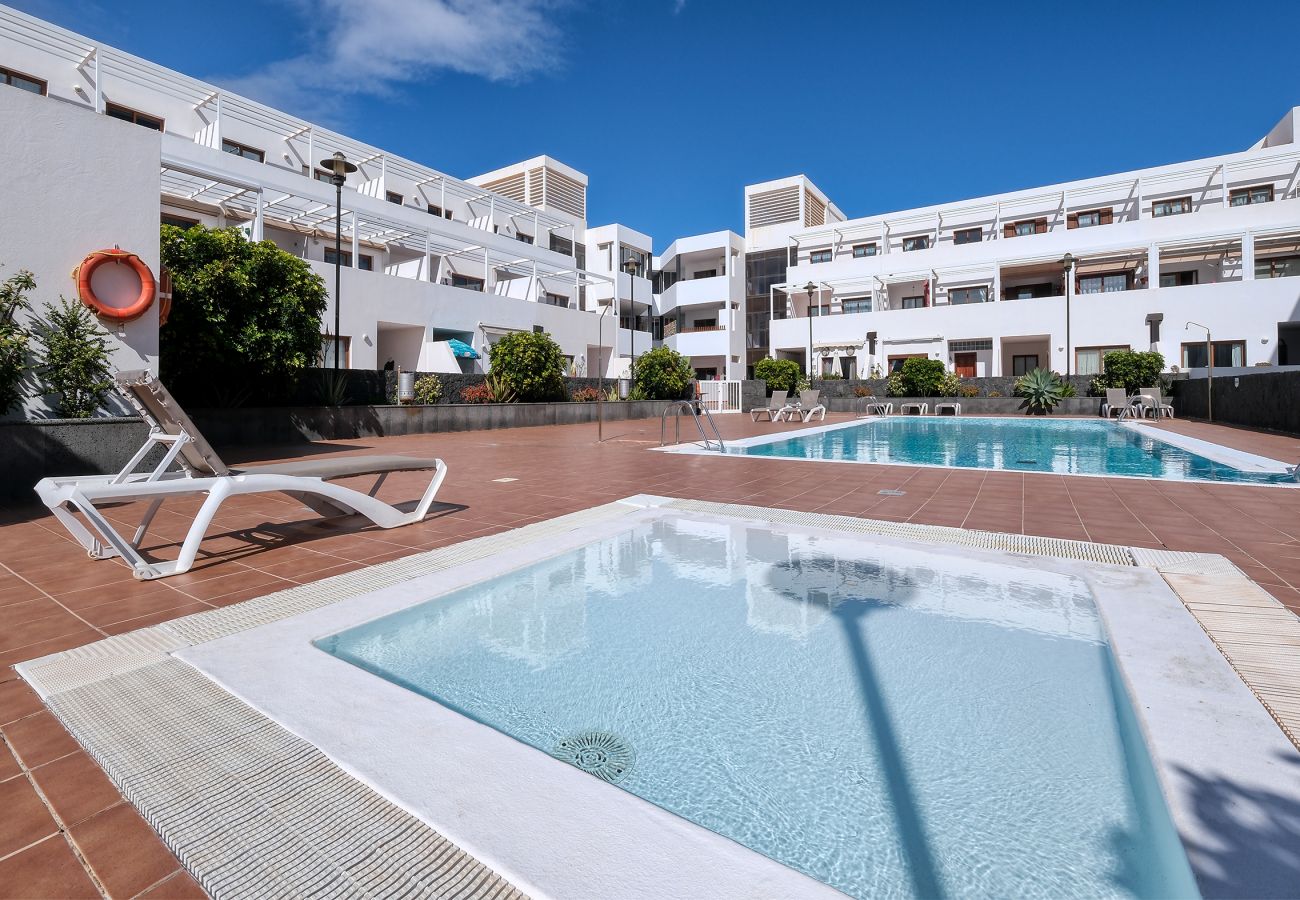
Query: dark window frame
x,y
365,261
1247,195
134,116
1185,204
964,290
820,256
244,151
394,197
1182,279
468,282
868,249
964,236
1023,368
924,304
919,242
8,75
1218,346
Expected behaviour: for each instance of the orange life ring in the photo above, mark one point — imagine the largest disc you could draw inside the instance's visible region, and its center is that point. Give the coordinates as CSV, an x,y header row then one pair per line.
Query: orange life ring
x,y
82,274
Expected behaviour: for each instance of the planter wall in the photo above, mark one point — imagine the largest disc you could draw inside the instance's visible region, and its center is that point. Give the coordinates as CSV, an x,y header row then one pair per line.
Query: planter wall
x,y
47,447
1003,384
972,406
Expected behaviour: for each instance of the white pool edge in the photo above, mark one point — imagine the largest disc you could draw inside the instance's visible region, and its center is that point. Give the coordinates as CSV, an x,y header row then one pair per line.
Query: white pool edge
x,y
1216,728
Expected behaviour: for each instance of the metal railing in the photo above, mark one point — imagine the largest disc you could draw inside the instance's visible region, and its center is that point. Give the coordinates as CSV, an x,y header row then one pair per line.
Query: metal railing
x,y
693,408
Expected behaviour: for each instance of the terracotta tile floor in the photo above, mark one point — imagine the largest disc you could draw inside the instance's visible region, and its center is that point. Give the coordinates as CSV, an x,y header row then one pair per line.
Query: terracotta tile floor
x,y
66,832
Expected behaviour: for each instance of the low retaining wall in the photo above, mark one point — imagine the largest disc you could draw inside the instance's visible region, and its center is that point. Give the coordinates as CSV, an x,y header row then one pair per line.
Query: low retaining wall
x,y
1267,400
48,447
971,406
1003,384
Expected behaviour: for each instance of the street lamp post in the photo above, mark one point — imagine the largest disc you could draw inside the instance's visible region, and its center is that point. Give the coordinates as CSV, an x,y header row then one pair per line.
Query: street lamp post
x,y
810,287
1068,262
630,265
1209,378
339,168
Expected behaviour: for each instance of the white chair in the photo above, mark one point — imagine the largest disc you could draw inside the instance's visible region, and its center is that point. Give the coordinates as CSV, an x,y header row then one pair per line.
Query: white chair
x,y
809,407
1158,406
1116,403
914,409
774,406
953,407
880,408
203,472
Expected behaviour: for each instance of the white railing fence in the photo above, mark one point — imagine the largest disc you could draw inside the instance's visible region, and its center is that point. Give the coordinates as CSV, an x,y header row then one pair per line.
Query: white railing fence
x,y
720,396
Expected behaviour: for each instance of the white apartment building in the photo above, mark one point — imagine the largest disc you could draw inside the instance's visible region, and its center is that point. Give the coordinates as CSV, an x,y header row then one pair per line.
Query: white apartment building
x,y
427,257
433,263
1050,277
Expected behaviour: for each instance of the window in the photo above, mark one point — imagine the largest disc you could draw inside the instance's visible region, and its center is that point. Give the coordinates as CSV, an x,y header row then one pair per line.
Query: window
x,y
705,273
959,296
322,175
22,82
1277,267
967,236
1177,279
243,150
1024,227
1029,291
1090,218
1104,284
819,256
468,282
555,300
864,250
914,303
135,118
1262,193
855,305
1091,360
327,344
561,245
1173,207
367,261
435,210
896,362
1023,364
971,345
178,221
916,243
523,238
393,197
1226,353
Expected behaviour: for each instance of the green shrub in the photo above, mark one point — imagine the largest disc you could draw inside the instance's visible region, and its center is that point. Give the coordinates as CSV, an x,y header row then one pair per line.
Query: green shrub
x,y
73,360
863,391
995,393
950,384
14,337
530,367
1068,389
1131,370
923,377
663,374
428,388
968,390
245,315
1041,391
780,374
896,386
832,376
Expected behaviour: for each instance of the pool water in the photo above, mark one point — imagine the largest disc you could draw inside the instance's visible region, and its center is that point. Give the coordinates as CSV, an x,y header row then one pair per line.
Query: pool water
x,y
1066,446
891,721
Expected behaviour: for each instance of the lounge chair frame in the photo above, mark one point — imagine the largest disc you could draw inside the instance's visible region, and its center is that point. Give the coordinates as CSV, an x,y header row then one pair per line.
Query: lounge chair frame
x,y
202,472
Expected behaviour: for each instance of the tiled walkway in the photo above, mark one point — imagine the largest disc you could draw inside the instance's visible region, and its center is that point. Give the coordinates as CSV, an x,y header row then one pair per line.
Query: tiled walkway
x,y
66,832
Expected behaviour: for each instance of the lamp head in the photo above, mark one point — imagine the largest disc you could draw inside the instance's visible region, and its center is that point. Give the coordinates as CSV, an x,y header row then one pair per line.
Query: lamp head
x,y
1068,261
338,167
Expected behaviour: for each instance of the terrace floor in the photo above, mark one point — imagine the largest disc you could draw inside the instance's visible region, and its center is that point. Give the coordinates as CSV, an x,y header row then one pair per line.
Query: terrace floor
x,y
67,832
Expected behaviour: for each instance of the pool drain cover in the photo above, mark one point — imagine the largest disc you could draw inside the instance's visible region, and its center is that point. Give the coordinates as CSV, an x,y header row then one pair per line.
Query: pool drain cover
x,y
600,753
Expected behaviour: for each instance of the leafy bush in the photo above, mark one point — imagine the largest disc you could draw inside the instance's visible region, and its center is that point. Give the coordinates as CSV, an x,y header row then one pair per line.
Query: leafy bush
x,y
968,390
636,394
428,388
14,338
1097,387
780,374
530,365
1068,389
862,391
476,393
244,314
832,376
995,393
950,384
896,386
923,377
1041,391
585,395
73,360
663,374
1131,370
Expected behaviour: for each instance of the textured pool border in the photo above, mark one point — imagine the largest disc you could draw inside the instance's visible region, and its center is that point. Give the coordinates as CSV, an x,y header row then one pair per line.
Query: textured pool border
x,y
133,703
1237,459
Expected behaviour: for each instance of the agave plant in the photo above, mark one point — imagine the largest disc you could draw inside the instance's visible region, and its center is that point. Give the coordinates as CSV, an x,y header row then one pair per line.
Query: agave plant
x,y
1041,391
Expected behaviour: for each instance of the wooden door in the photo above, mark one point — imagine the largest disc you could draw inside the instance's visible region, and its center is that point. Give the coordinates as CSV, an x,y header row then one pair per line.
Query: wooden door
x,y
965,364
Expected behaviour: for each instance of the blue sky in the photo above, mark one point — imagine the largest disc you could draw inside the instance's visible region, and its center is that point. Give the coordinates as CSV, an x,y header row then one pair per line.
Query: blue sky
x,y
672,106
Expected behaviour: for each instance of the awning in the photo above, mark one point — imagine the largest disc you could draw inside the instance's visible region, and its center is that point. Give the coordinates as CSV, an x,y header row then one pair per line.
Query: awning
x,y
462,349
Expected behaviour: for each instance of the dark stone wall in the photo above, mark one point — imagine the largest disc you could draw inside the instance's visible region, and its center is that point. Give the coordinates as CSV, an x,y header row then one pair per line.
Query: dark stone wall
x,y
1003,384
46,448
972,406
1267,400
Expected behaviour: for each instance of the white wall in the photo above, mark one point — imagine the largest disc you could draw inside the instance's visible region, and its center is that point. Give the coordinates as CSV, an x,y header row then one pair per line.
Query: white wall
x,y
76,182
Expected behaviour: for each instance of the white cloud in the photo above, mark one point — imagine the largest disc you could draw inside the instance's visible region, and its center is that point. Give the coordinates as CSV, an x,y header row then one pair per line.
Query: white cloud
x,y
678,6
375,46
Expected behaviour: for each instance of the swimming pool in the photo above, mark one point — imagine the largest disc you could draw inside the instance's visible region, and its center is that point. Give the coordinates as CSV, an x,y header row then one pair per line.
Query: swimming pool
x,y
1064,446
886,719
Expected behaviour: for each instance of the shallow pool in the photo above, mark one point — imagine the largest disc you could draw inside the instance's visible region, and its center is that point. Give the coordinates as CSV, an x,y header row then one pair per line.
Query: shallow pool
x,y
1065,446
891,721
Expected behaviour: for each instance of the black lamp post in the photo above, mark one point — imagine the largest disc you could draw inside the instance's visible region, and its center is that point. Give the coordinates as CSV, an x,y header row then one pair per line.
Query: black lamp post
x,y
630,266
339,169
1068,262
810,287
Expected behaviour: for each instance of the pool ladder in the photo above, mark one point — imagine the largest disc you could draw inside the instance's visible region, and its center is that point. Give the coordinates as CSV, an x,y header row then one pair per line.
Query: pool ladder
x,y
694,408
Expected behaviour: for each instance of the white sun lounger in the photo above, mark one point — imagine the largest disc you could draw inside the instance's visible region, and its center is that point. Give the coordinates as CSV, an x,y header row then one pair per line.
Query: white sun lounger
x,y
774,407
203,472
809,406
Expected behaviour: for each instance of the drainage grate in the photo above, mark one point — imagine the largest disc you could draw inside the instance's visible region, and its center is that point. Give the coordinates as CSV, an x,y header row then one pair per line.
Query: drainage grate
x,y
599,753
890,493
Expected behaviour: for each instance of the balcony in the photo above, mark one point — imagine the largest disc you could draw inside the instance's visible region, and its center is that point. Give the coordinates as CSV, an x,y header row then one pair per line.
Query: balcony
x,y
695,291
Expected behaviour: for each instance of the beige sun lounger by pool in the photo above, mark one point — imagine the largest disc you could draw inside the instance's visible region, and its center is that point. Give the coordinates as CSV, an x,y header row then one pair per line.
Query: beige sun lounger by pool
x,y
809,406
203,472
773,408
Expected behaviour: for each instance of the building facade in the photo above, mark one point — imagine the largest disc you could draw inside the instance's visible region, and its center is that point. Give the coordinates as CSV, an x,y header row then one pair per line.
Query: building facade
x,y
1050,277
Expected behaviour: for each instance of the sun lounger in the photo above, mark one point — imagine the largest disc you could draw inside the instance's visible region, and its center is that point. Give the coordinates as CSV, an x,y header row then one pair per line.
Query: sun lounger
x,y
1157,405
880,408
774,406
203,472
1116,403
953,408
914,409
809,407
